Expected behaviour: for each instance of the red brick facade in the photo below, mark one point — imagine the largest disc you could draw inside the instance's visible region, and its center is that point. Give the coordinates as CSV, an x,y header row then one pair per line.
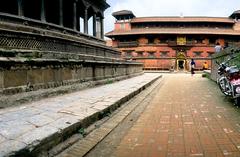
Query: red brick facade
x,y
164,43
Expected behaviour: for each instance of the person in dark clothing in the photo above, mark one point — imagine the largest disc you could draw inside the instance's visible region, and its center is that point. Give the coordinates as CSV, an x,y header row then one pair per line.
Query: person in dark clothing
x,y
193,64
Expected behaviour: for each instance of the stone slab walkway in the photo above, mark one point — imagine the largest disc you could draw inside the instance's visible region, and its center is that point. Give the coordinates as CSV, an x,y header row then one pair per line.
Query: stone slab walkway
x,y
31,126
188,117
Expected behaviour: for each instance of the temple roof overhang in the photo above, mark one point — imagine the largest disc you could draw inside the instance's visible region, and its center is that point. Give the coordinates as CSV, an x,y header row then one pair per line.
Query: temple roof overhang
x,y
235,14
123,13
100,3
182,19
180,31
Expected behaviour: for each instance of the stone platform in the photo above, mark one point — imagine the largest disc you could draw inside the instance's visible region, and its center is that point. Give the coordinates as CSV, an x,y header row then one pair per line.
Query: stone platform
x,y
28,129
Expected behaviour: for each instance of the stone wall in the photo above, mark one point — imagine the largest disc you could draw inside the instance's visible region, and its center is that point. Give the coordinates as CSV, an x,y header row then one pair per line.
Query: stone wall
x,y
18,77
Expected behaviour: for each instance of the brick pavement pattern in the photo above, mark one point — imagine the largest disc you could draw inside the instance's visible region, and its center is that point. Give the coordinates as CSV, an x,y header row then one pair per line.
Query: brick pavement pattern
x,y
189,117
27,126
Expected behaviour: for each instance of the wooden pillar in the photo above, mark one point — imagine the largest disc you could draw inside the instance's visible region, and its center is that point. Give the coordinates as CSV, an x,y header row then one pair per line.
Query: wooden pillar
x,y
20,8
61,12
94,25
75,15
102,27
86,21
43,11
78,23
98,27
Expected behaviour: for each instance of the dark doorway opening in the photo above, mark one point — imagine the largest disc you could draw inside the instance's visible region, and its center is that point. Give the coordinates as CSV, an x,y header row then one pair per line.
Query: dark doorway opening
x,y
181,65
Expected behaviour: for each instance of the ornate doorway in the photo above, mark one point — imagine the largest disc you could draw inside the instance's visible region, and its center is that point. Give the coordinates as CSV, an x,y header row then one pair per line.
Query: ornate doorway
x,y
181,62
181,65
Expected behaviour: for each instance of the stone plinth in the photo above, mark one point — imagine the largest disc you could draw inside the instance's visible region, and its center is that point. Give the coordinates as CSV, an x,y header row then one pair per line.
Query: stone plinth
x,y
36,55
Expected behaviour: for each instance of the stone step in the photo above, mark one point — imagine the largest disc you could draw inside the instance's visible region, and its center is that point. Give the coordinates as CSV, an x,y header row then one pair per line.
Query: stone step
x,y
29,129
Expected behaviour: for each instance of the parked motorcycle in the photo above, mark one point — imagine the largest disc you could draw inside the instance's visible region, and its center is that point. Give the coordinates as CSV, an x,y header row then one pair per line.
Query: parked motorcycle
x,y
229,82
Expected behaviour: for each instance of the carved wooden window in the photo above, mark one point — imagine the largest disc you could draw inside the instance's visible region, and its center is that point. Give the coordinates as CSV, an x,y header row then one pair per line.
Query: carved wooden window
x,y
212,41
122,26
151,54
164,54
197,53
151,40
139,53
127,53
163,41
210,54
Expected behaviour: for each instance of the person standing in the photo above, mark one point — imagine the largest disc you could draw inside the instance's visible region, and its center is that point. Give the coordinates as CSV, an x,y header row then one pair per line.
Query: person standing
x,y
205,66
218,48
193,65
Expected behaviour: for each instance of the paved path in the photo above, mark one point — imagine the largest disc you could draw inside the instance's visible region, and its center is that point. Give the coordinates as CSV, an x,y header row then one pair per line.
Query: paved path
x,y
188,117
29,126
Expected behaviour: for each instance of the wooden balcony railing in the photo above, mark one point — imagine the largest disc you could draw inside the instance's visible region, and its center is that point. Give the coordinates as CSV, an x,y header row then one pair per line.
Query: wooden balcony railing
x,y
174,43
128,44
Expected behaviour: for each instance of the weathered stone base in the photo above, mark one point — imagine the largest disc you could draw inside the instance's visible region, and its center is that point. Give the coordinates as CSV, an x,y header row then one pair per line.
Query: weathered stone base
x,y
17,99
56,78
24,78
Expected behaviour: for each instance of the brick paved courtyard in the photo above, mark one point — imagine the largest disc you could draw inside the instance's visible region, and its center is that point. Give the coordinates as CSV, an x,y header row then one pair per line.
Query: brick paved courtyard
x,y
187,117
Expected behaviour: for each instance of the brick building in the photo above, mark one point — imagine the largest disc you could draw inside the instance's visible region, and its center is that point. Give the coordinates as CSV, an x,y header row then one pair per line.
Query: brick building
x,y
162,43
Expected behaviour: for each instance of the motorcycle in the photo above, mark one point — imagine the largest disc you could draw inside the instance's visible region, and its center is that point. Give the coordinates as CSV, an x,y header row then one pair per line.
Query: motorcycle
x,y
229,81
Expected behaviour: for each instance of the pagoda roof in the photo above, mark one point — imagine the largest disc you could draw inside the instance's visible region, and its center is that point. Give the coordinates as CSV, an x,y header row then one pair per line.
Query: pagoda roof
x,y
122,12
182,31
237,12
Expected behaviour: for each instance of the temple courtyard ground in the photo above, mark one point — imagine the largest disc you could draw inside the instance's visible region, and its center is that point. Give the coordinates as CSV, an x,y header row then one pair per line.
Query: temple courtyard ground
x,y
178,116
151,115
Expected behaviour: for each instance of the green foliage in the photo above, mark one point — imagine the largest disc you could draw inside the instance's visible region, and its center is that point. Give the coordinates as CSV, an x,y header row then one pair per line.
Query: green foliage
x,y
235,61
226,54
81,131
109,81
204,75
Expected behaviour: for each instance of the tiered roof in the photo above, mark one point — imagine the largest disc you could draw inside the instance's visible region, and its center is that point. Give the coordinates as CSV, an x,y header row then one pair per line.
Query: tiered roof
x,y
214,30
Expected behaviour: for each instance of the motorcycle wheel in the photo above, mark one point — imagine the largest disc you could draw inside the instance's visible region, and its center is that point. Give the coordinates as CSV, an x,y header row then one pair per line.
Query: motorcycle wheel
x,y
224,87
237,101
